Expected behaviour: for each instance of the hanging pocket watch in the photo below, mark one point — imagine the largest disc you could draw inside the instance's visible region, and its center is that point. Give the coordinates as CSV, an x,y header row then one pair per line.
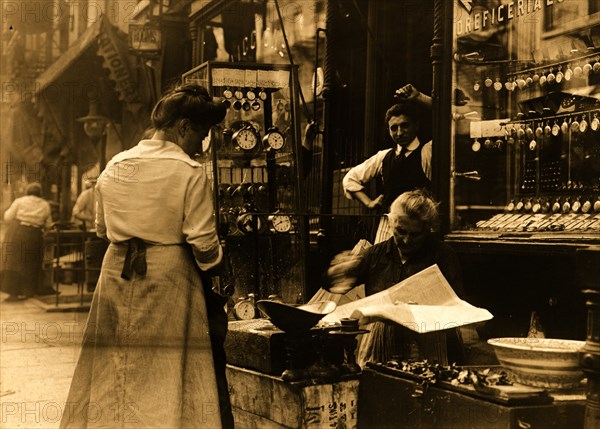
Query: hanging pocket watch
x,y
595,124
274,139
583,125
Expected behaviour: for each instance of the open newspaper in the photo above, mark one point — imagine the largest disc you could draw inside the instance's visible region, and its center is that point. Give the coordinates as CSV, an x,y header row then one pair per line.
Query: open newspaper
x,y
424,302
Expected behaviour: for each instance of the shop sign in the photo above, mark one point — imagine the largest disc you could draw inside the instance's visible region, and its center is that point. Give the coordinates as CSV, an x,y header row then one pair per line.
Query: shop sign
x,y
482,19
145,38
116,62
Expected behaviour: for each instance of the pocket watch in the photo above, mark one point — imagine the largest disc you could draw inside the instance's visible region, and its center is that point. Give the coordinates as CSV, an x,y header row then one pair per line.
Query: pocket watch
x,y
280,223
244,309
246,138
274,139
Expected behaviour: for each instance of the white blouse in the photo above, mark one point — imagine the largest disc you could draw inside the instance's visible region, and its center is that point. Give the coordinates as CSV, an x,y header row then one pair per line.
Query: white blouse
x,y
30,210
156,192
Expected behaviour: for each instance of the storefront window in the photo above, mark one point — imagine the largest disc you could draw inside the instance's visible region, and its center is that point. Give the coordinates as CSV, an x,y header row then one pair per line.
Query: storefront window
x,y
566,13
526,126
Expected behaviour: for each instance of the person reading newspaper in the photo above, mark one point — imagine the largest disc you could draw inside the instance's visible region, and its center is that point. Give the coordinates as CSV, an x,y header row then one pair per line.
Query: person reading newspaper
x,y
414,246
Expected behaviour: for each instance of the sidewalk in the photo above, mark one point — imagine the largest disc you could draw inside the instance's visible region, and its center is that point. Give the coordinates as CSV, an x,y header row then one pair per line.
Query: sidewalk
x,y
38,353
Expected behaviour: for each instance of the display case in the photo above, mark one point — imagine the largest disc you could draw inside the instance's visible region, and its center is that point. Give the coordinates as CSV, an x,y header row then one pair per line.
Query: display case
x,y
524,159
255,165
526,121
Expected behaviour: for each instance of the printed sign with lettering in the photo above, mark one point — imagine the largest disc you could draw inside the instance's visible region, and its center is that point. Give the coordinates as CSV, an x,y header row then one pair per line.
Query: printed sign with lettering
x,y
144,37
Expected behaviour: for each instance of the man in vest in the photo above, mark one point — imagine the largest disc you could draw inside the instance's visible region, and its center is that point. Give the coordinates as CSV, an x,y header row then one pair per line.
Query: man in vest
x,y
402,168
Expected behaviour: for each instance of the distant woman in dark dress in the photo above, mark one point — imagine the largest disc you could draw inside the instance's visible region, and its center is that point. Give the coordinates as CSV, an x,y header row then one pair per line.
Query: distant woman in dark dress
x,y
23,244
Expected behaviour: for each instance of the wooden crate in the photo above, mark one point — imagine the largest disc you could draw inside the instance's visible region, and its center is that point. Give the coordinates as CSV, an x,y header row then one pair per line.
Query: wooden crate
x,y
387,401
264,401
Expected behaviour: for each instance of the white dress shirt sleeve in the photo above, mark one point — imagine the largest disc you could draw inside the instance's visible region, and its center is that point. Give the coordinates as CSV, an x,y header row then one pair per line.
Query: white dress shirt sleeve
x,y
426,159
99,220
199,227
356,178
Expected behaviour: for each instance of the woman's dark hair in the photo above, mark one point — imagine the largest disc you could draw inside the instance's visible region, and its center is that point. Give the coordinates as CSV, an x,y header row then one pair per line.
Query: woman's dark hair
x,y
189,101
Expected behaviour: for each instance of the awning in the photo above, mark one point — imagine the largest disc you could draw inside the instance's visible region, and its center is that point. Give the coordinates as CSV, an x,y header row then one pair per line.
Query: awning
x,y
110,46
60,66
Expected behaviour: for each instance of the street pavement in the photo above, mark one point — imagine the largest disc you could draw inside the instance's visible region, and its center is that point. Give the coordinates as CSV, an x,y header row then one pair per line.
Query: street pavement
x,y
38,353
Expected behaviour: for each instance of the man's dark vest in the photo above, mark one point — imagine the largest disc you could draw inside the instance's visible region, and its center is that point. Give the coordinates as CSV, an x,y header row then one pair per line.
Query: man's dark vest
x,y
401,174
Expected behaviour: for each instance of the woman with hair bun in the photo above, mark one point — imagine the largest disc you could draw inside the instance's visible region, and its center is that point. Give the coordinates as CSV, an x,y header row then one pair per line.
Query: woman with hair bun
x,y
149,358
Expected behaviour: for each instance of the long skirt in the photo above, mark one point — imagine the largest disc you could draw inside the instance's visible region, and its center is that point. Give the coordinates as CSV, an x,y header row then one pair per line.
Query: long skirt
x,y
146,359
21,263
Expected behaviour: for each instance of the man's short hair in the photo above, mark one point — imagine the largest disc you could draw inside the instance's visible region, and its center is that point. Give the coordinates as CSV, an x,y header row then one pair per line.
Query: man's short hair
x,y
417,205
407,109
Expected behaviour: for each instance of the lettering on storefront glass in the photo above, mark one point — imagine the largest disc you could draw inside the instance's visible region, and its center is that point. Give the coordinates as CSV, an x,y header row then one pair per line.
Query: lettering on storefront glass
x,y
480,19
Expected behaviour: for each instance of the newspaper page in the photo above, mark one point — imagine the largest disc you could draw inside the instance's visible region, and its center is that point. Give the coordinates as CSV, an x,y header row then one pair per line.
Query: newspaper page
x,y
424,302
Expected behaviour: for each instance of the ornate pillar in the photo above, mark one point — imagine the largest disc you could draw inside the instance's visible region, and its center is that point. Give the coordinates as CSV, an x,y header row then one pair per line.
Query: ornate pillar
x,y
441,94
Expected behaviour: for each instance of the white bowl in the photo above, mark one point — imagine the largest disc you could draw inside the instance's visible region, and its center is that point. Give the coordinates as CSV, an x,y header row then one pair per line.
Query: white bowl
x,y
541,362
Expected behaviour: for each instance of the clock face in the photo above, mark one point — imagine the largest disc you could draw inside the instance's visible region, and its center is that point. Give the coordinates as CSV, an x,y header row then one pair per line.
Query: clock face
x,y
246,139
244,310
281,223
275,140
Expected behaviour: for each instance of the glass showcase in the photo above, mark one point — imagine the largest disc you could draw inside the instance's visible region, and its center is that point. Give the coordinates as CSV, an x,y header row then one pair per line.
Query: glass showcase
x,y
526,118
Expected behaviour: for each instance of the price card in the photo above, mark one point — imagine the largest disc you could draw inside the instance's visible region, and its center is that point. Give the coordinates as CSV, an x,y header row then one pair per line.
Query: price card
x,y
272,79
282,78
246,175
262,79
218,77
233,77
250,78
238,77
228,77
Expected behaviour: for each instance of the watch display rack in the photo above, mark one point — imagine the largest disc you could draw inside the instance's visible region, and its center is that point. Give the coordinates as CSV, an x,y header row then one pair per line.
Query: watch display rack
x,y
254,164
